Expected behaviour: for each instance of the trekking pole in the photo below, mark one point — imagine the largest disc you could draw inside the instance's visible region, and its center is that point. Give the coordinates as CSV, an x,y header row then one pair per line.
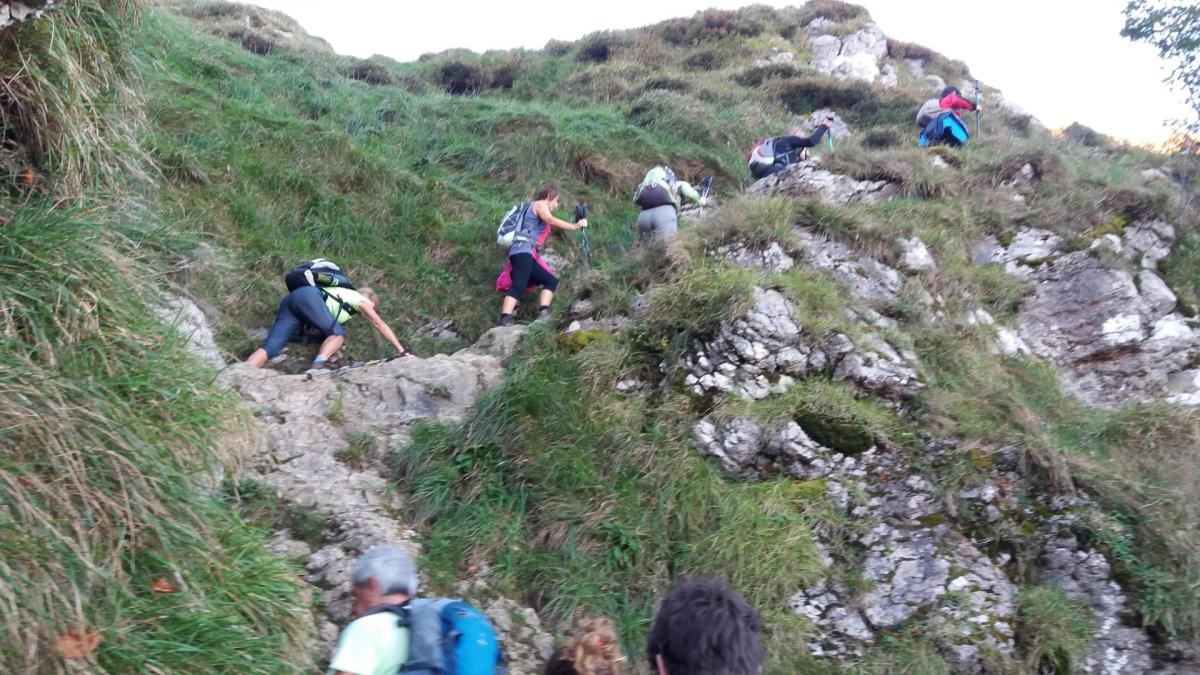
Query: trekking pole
x,y
976,108
352,366
584,249
705,188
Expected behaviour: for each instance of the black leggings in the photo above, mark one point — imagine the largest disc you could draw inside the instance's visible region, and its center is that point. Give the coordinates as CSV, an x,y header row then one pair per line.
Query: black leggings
x,y
525,270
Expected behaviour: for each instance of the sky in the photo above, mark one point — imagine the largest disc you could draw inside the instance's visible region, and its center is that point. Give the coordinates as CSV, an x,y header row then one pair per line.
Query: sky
x,y
1061,60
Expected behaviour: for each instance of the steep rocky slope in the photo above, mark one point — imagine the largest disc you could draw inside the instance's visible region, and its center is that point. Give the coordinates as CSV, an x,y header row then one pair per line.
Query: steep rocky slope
x,y
929,411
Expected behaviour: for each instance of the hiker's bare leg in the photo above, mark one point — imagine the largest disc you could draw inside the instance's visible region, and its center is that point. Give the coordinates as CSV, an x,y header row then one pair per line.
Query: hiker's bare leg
x,y
545,298
330,346
258,359
508,305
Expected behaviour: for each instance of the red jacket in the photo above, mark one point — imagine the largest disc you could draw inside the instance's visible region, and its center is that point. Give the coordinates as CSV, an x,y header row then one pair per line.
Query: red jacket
x,y
952,101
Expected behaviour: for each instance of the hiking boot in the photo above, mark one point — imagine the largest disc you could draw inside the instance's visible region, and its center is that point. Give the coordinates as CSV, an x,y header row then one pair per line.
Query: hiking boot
x,y
506,320
543,314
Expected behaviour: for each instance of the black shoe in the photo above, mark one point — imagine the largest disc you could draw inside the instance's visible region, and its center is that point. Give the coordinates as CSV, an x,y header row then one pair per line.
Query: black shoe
x,y
543,314
506,319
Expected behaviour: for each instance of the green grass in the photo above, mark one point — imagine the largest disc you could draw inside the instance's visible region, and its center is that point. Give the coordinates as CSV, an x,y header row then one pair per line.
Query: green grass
x,y
107,428
67,113
583,499
1055,629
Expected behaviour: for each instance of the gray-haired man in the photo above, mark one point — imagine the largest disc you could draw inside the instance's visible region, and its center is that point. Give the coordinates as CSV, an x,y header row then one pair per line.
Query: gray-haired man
x,y
373,644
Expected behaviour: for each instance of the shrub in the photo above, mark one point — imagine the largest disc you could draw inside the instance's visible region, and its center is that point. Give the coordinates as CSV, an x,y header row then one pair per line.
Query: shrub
x,y
558,47
459,77
935,62
1086,136
859,103
834,10
879,138
1135,203
756,75
371,72
706,59
599,47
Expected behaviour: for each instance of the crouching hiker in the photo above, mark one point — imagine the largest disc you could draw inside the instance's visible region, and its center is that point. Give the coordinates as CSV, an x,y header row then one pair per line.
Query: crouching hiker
x,y
660,196
772,155
524,231
704,627
321,298
939,122
395,633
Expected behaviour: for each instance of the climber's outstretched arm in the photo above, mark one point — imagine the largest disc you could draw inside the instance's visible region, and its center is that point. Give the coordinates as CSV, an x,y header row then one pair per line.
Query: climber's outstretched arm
x,y
368,310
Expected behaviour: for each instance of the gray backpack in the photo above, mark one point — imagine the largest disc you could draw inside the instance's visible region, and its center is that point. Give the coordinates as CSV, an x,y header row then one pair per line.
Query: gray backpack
x,y
512,226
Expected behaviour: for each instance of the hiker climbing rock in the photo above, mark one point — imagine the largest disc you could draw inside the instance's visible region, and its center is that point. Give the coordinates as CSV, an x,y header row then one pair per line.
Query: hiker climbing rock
x,y
660,196
524,230
321,298
939,121
772,155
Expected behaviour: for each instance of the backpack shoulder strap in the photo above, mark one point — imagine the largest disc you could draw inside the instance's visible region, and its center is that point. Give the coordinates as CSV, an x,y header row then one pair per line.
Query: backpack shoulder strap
x,y
403,615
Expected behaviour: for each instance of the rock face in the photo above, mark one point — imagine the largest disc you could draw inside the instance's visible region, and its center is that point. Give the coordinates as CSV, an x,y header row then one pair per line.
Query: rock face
x,y
186,317
1083,573
912,550
913,558
14,12
808,179
865,277
854,57
1102,316
327,437
760,353
772,259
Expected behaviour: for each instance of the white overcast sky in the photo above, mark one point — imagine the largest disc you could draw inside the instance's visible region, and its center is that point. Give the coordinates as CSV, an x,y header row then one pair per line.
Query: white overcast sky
x,y
1062,60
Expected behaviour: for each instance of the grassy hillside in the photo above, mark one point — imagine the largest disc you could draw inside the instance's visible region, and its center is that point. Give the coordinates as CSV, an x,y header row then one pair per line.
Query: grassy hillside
x,y
109,431
215,164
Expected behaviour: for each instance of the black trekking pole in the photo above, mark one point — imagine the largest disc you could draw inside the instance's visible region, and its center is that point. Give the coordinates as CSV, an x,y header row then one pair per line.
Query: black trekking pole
x,y
976,108
584,250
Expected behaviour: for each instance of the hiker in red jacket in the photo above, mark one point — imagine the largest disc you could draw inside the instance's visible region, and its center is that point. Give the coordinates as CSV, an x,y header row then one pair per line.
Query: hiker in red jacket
x,y
951,100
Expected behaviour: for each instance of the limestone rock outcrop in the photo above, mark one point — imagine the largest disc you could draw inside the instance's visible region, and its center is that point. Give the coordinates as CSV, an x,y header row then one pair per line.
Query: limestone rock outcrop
x,y
327,437
1102,315
760,353
15,11
913,549
185,316
808,179
854,57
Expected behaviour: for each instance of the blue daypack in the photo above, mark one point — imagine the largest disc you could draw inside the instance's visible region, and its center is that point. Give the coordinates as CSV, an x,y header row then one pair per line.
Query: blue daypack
x,y
447,637
947,128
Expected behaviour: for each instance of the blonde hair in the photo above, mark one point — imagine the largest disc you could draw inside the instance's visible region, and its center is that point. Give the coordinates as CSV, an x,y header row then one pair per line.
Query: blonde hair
x,y
593,650
370,294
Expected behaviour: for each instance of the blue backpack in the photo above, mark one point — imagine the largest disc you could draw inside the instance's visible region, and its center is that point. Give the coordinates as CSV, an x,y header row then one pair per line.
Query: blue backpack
x,y
947,128
447,637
